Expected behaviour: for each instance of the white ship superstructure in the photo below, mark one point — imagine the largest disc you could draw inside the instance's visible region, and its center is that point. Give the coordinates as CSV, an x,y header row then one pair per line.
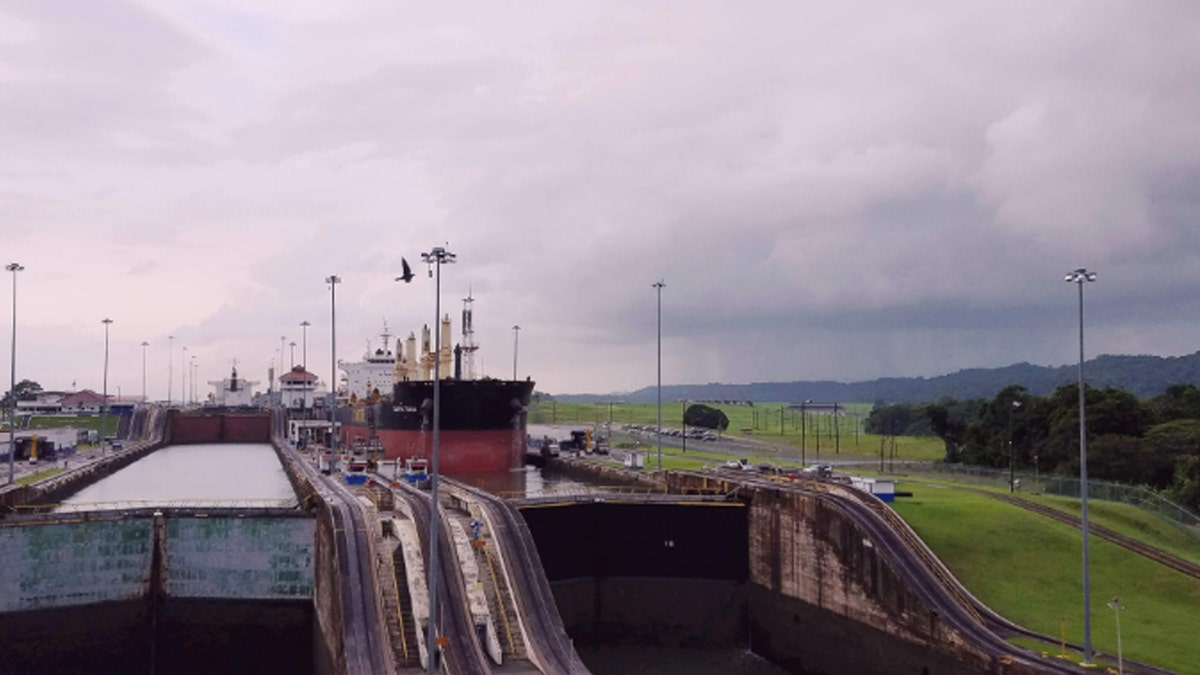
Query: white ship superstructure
x,y
233,391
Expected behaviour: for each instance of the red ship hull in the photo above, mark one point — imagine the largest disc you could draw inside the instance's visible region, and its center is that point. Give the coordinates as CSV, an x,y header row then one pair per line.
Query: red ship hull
x,y
459,451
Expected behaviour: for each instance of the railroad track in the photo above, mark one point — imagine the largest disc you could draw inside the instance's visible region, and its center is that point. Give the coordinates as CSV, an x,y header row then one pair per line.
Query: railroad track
x,y
529,585
1152,552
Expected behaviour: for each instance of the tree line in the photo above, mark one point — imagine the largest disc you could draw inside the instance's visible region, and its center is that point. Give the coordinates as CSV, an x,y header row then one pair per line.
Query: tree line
x,y
1153,442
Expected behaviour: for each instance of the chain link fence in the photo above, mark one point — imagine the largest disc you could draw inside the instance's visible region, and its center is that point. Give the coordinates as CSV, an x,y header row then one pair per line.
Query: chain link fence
x,y
1065,486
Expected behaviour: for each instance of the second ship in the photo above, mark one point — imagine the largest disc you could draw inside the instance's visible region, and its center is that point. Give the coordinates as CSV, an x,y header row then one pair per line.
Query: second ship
x,y
482,421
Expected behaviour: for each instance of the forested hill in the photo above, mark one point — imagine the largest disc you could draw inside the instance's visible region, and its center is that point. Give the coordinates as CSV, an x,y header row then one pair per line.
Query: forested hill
x,y
1140,375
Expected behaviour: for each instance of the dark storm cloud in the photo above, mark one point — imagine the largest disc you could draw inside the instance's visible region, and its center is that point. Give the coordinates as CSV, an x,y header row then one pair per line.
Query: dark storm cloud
x,y
829,192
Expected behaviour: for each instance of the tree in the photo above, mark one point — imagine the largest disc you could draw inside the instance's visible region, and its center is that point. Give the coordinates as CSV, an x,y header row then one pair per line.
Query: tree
x,y
708,417
27,390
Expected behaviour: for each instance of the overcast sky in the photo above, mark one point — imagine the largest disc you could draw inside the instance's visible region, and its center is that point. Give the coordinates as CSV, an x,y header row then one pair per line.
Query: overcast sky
x,y
834,191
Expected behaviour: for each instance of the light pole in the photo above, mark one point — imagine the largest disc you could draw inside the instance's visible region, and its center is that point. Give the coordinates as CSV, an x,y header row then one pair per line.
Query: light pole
x,y
435,259
304,346
304,356
658,286
104,406
1011,478
170,365
183,377
1078,277
1116,607
292,360
144,345
333,280
516,340
192,378
12,387
282,344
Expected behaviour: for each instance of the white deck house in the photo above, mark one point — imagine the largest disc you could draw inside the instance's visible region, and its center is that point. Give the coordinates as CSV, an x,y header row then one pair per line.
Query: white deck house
x,y
233,391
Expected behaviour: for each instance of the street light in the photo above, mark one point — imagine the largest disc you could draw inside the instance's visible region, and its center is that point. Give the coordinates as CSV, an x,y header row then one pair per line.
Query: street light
x,y
1011,478
435,259
144,345
104,409
658,286
1078,277
516,336
170,364
192,378
304,356
1116,607
12,387
183,377
333,280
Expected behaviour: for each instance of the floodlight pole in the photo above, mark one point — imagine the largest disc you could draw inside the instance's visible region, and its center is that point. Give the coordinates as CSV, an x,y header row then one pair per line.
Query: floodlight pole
x,y
144,345
1078,277
435,259
333,280
658,286
170,365
104,409
304,356
1011,475
12,387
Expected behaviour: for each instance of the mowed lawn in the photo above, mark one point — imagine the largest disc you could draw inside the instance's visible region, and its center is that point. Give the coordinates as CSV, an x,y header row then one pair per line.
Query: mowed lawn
x,y
1029,568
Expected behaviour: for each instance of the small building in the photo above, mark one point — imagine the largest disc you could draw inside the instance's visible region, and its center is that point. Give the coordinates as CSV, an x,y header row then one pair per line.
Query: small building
x,y
85,402
299,389
884,488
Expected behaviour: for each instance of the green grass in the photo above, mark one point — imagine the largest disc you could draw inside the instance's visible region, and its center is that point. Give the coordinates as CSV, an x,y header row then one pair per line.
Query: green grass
x,y
76,421
33,477
822,436
1028,568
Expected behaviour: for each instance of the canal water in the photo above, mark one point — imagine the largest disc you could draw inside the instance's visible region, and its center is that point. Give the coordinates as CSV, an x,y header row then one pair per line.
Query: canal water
x,y
246,473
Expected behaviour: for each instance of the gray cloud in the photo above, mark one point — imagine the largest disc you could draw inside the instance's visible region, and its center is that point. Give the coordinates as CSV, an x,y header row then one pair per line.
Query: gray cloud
x,y
829,193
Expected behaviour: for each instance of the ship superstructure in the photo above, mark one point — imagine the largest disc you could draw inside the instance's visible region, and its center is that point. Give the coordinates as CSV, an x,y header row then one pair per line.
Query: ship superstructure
x,y
482,420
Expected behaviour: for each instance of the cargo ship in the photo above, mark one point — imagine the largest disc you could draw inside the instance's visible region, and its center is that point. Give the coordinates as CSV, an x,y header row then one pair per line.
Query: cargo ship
x,y
389,401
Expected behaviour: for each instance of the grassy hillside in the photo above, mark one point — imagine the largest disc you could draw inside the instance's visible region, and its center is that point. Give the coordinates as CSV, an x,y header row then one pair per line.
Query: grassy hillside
x,y
1028,568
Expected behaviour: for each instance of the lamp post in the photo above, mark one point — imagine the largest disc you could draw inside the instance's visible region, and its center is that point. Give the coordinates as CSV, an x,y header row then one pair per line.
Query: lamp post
x,y
304,361
192,378
435,259
1011,477
183,377
292,360
658,286
1116,607
1078,277
804,431
104,405
170,364
12,387
144,345
516,340
333,280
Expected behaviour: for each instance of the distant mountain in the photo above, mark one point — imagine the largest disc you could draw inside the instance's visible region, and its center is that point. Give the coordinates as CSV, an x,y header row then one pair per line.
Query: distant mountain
x,y
1142,376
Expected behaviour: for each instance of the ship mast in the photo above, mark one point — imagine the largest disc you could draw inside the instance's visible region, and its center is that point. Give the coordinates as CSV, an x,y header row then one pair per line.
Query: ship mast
x,y
468,344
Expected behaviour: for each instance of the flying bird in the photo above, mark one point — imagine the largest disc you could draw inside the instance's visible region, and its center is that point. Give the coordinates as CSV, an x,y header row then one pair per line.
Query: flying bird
x,y
407,276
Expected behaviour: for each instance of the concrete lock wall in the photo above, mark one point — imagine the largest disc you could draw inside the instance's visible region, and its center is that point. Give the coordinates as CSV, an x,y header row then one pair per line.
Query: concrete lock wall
x,y
59,565
55,565
242,558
